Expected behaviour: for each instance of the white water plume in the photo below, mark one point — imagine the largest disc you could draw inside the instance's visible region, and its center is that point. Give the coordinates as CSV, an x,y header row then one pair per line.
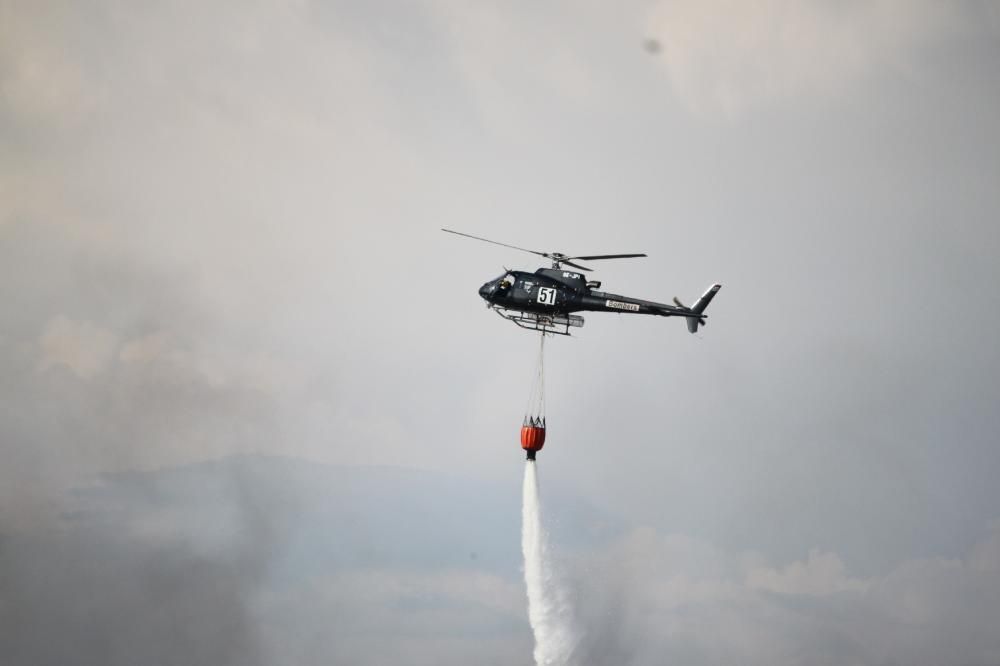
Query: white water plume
x,y
549,611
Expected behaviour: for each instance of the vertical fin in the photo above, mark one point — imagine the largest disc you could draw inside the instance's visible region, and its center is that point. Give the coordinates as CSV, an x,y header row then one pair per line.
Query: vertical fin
x,y
700,306
706,298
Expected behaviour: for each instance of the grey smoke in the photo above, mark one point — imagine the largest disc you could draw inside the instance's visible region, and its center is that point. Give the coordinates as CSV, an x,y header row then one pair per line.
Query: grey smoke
x,y
218,237
117,583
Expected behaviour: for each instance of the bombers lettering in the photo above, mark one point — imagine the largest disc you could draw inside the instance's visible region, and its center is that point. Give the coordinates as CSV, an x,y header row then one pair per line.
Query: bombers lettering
x,y
631,307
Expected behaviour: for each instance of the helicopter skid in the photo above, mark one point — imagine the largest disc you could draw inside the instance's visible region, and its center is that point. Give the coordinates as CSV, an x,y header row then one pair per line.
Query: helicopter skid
x,y
546,323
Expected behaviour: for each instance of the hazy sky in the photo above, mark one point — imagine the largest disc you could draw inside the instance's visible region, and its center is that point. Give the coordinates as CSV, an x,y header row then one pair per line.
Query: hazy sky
x,y
219,235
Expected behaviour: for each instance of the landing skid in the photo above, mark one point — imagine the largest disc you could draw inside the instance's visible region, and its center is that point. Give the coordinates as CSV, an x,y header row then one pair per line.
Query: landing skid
x,y
546,323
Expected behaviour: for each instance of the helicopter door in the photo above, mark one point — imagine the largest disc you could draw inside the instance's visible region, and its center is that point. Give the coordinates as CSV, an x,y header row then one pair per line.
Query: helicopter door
x,y
522,290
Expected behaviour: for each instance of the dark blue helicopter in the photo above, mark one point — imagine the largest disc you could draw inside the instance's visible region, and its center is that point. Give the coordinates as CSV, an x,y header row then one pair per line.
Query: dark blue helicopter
x,y
544,300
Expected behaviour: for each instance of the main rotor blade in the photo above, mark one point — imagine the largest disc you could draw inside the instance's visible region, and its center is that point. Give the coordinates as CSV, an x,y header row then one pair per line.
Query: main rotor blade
x,y
594,257
557,257
487,240
577,266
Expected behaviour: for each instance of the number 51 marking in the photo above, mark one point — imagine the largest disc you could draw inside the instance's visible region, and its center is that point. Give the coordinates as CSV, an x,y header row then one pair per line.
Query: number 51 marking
x,y
546,296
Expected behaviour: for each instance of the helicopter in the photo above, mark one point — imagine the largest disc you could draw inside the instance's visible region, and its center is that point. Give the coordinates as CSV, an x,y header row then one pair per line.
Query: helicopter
x,y
545,300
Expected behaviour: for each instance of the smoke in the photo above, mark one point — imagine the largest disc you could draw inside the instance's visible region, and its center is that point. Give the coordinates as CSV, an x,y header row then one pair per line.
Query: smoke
x,y
549,611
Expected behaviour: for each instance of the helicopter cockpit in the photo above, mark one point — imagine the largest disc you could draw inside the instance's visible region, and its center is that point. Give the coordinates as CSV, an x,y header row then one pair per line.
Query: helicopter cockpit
x,y
498,288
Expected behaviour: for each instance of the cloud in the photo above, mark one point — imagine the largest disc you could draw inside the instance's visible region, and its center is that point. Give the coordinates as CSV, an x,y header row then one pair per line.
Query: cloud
x,y
83,347
820,574
514,67
41,82
651,598
727,56
985,556
160,357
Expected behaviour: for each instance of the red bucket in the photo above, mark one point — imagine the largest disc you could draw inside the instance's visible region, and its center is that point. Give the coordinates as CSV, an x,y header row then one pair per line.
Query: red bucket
x,y
532,437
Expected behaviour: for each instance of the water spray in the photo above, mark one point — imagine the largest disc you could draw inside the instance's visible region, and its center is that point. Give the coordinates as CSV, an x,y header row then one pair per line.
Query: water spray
x,y
549,611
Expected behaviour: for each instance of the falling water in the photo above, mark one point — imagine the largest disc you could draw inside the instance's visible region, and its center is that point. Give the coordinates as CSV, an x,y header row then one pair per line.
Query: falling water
x,y
549,611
